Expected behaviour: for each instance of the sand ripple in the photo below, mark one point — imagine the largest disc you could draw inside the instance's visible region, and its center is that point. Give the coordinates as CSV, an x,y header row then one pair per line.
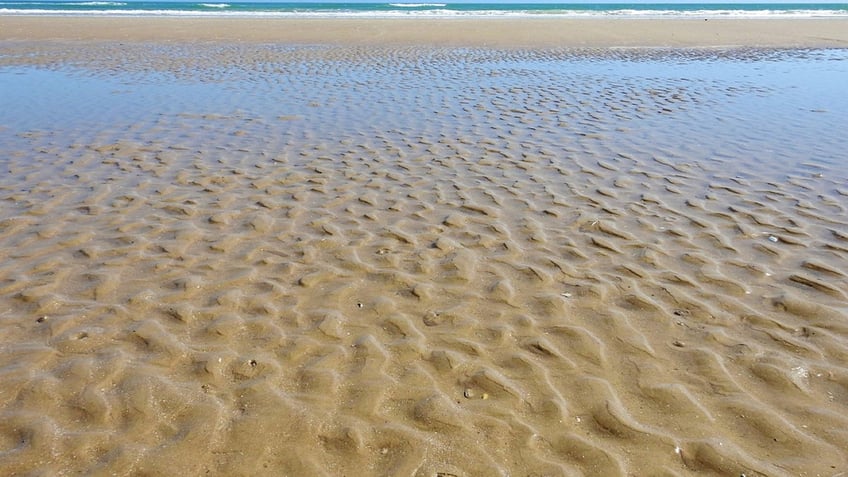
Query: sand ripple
x,y
342,261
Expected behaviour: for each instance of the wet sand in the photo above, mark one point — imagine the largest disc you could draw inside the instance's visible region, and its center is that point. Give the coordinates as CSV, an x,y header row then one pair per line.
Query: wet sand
x,y
256,258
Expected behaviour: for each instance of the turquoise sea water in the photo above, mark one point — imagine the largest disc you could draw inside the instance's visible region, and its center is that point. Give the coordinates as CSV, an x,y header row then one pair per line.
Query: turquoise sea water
x,y
395,9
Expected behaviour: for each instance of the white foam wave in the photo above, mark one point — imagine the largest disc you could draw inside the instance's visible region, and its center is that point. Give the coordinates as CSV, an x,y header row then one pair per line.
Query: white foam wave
x,y
215,5
96,4
75,4
417,5
437,13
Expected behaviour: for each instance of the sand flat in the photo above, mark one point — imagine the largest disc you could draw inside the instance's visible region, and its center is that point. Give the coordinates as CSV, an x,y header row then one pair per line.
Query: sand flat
x,y
814,32
270,258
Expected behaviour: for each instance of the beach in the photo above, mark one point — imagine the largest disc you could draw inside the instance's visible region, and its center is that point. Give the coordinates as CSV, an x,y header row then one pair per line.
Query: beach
x,y
433,247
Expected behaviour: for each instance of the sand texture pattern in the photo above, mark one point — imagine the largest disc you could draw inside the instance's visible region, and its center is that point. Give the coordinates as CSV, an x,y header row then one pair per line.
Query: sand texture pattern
x,y
315,260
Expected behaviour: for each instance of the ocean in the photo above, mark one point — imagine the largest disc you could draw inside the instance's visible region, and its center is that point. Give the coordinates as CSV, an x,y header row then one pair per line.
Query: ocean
x,y
312,9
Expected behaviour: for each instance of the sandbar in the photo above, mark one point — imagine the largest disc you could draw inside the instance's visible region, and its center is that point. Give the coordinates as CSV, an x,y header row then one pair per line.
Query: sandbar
x,y
495,32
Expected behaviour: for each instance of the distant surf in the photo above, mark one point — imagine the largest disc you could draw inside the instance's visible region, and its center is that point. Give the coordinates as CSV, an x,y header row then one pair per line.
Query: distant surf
x,y
401,9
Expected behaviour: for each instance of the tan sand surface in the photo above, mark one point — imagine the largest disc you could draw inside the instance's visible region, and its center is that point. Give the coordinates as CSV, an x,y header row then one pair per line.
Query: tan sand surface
x,y
417,261
816,32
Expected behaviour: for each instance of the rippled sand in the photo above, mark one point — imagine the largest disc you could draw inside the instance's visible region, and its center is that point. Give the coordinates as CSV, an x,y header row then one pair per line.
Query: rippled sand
x,y
267,260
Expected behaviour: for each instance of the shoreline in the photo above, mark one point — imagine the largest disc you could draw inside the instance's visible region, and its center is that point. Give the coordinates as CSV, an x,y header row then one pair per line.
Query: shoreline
x,y
489,32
